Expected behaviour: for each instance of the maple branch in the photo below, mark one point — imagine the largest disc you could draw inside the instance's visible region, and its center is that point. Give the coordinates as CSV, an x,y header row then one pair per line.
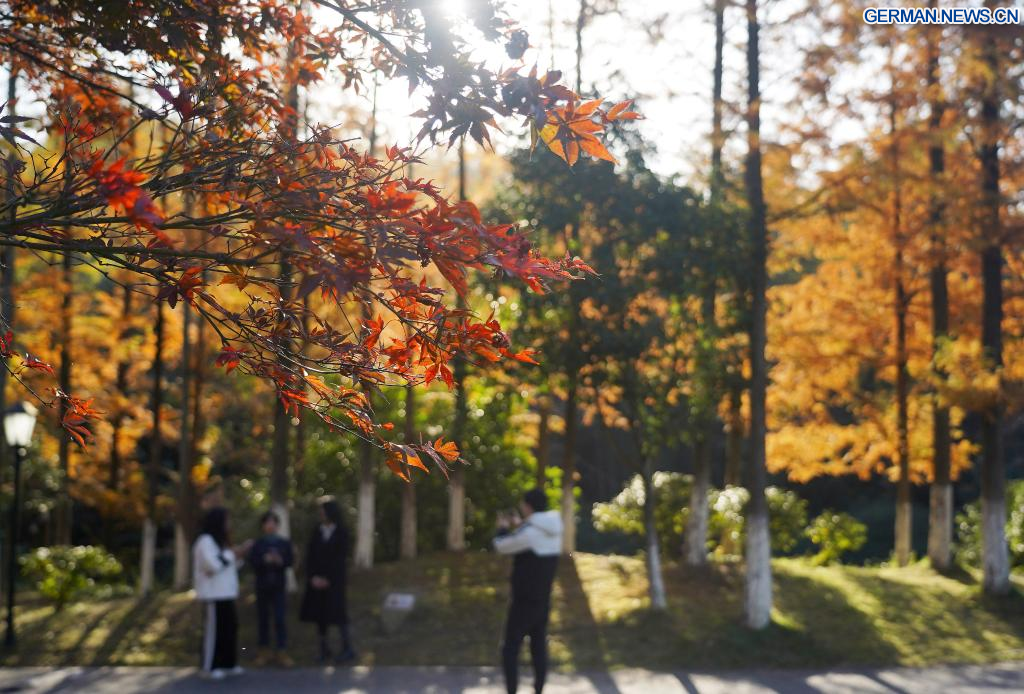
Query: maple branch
x,y
118,251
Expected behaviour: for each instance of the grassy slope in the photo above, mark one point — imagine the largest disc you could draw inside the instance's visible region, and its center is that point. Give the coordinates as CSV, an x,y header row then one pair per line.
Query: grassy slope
x,y
824,617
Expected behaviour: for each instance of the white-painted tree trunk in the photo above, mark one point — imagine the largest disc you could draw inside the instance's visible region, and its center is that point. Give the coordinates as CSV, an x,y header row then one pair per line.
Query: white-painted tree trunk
x,y
182,558
284,529
995,553
940,526
697,522
759,571
659,601
147,557
457,510
366,509
903,529
655,581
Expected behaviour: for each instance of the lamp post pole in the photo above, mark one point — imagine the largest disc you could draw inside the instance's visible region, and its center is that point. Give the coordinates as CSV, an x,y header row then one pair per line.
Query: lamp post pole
x,y
10,640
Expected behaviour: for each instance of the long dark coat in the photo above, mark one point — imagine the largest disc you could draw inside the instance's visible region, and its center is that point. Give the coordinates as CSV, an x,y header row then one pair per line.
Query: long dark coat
x,y
328,559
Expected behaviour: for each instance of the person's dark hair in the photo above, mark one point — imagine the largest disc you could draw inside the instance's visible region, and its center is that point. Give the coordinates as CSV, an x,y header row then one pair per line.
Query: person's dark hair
x,y
215,524
330,507
270,515
536,499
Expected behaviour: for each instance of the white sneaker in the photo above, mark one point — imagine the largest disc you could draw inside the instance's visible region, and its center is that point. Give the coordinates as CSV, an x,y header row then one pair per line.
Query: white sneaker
x,y
236,670
217,674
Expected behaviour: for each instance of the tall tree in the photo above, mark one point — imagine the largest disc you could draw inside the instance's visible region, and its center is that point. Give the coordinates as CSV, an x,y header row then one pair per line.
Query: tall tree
x,y
940,511
572,371
147,556
995,553
366,499
7,255
697,521
457,480
121,384
758,545
901,304
182,563
62,535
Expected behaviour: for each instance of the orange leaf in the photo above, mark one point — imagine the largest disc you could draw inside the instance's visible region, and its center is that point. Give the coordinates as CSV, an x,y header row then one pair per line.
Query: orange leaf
x,y
597,150
449,451
394,463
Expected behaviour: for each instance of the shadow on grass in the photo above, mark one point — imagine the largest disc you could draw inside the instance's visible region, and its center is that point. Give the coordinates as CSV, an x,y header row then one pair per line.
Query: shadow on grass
x,y
577,638
972,628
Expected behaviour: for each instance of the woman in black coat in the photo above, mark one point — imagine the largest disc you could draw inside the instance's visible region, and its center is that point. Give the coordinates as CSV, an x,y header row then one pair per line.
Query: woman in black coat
x,y
324,602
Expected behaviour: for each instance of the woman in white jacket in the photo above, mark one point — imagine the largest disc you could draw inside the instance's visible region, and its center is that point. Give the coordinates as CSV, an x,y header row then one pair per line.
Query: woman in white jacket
x,y
215,577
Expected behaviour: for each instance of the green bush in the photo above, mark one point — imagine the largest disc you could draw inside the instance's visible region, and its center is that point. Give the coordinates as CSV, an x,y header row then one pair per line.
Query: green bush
x,y
968,528
787,514
787,518
835,534
624,513
62,573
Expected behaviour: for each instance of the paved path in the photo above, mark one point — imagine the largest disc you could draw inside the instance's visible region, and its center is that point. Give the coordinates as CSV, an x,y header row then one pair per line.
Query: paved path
x,y
962,679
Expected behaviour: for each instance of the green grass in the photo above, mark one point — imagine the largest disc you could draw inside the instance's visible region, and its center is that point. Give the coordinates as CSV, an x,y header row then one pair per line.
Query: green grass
x,y
831,616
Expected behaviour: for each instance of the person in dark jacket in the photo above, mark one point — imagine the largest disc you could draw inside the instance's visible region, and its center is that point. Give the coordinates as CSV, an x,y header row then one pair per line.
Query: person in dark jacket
x,y
270,557
324,602
535,543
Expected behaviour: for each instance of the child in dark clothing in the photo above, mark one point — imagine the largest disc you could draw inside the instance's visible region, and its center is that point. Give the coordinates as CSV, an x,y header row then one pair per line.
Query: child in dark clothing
x,y
270,557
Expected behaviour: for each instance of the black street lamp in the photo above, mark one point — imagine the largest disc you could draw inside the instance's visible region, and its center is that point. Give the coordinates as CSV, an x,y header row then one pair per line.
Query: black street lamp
x,y
19,421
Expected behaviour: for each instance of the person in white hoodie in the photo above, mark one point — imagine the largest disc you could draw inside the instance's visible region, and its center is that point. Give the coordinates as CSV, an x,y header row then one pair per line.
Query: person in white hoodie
x,y
215,578
535,543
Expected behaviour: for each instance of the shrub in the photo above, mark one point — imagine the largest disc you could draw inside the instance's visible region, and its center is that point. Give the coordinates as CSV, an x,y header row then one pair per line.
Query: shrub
x,y
835,534
787,517
968,528
624,513
62,573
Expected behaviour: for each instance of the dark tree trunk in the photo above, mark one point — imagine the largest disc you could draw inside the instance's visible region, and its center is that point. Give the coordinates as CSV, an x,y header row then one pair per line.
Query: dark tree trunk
x,y
407,537
64,504
734,438
940,511
904,512
7,254
543,434
717,106
758,549
148,553
182,562
697,524
995,553
569,468
121,383
279,452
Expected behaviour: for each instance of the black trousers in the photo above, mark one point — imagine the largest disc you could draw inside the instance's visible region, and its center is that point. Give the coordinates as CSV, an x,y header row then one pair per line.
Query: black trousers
x,y
220,636
272,603
526,619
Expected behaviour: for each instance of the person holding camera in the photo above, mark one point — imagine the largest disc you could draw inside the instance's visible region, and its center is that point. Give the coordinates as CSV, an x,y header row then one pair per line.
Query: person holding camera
x,y
534,539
